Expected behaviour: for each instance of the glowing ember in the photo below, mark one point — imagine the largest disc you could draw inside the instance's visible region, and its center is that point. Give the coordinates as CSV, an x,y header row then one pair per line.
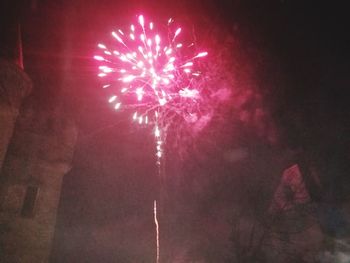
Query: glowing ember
x,y
151,73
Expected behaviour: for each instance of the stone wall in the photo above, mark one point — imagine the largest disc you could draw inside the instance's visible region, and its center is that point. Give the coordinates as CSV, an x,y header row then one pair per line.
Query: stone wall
x,y
14,86
36,152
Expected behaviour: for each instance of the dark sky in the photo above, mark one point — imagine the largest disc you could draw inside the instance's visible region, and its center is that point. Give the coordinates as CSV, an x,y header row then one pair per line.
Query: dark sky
x,y
105,213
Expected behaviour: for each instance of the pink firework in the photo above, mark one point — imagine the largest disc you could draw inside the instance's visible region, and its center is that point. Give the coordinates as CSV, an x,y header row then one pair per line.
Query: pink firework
x,y
150,73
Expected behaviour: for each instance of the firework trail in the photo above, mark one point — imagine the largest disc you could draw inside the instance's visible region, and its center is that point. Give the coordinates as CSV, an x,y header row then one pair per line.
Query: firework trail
x,y
157,77
157,228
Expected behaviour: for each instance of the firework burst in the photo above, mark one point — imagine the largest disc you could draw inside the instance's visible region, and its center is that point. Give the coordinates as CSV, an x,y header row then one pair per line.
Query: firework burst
x,y
153,74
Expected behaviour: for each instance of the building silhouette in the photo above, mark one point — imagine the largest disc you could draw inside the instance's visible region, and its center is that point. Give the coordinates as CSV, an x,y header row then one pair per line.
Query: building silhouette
x,y
36,150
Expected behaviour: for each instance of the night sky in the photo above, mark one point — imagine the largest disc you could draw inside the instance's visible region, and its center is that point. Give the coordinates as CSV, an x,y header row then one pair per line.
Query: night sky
x,y
288,60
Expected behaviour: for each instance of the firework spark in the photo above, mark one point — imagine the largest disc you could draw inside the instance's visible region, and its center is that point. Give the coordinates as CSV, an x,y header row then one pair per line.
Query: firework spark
x,y
154,75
